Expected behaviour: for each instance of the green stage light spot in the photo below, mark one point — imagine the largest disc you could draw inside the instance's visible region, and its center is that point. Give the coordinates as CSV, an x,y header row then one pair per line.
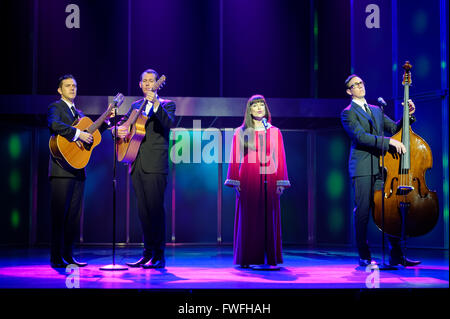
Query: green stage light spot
x,y
15,219
443,65
445,189
15,146
335,184
423,66
336,220
420,24
14,180
337,150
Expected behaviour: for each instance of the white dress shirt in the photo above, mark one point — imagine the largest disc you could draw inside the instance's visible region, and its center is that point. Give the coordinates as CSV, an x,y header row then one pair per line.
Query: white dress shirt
x,y
69,105
361,104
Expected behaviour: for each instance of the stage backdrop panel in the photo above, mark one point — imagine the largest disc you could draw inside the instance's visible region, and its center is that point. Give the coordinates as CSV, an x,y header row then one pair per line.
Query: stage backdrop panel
x,y
43,218
333,208
294,201
371,47
332,54
93,50
228,193
16,184
195,190
16,32
179,39
266,48
419,42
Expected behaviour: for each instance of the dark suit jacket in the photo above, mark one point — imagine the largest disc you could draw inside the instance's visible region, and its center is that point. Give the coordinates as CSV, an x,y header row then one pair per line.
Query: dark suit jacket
x,y
365,134
153,152
59,121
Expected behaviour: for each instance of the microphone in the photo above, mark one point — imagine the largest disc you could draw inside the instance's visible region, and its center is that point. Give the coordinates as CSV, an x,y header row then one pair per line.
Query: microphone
x,y
382,102
264,122
118,100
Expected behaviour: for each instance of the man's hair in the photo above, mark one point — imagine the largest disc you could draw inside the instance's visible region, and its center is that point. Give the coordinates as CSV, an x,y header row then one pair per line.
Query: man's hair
x,y
65,77
349,78
149,71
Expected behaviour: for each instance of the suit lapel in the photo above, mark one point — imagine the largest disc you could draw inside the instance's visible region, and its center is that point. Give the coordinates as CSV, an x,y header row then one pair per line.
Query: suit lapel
x,y
66,109
371,119
376,118
358,109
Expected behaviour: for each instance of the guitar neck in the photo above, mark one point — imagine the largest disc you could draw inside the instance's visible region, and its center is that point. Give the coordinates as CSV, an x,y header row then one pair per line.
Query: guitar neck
x,y
135,116
95,126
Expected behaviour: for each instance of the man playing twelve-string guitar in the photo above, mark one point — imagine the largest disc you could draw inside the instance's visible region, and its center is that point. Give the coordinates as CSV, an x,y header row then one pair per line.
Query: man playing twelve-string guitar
x,y
149,169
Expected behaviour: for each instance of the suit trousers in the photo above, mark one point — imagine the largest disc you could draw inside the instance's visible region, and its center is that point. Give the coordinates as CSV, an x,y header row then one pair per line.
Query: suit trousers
x,y
65,210
364,188
150,189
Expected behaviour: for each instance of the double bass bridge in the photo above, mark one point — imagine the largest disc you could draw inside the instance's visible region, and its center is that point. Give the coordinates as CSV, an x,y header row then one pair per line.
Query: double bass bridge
x,y
403,190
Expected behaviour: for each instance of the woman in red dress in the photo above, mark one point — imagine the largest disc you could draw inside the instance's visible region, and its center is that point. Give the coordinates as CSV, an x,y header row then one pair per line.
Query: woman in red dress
x,y
257,231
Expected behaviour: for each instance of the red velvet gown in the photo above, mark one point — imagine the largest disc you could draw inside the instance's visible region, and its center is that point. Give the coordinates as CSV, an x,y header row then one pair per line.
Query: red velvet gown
x,y
248,170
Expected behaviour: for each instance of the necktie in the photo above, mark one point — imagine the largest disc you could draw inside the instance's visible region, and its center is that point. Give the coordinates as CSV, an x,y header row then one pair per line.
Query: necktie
x,y
75,113
366,108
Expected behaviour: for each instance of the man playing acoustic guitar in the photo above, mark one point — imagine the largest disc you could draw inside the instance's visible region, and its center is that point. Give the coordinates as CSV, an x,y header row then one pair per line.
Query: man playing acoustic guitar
x,y
149,169
66,182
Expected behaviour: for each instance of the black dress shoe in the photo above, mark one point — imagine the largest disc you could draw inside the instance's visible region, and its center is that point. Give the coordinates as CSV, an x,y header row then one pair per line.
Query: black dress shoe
x,y
405,262
159,262
366,262
73,261
58,263
140,262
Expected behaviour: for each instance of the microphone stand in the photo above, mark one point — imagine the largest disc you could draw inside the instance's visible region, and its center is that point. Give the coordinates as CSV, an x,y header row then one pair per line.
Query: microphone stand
x,y
114,266
265,266
384,266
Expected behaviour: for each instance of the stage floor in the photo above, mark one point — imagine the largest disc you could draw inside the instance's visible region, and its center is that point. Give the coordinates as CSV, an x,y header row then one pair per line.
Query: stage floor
x,y
211,267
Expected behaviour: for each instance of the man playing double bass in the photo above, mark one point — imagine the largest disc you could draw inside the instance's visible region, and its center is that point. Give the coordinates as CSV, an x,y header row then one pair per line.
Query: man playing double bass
x,y
364,124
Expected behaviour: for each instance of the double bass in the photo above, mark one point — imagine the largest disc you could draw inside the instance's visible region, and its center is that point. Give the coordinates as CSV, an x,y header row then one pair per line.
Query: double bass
x,y
410,208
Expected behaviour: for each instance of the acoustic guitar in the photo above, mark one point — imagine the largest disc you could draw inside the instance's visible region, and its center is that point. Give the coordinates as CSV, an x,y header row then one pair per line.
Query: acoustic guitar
x,y
77,153
128,147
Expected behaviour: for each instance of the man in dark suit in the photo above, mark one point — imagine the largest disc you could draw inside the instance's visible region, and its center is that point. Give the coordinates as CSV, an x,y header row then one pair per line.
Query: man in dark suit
x,y
364,124
67,183
150,168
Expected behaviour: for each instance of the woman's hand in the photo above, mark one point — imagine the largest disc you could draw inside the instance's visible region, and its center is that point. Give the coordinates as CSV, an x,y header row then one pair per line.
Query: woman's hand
x,y
280,190
237,190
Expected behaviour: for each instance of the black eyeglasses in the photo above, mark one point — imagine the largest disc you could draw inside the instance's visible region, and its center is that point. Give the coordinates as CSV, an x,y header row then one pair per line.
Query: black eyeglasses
x,y
361,84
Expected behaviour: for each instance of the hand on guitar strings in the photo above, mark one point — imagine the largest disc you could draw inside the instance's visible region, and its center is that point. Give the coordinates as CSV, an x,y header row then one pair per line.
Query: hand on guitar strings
x,y
86,137
151,97
122,131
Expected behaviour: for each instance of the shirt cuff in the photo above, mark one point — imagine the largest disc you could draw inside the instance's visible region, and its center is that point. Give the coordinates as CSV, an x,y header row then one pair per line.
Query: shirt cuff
x,y
283,183
77,134
232,182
